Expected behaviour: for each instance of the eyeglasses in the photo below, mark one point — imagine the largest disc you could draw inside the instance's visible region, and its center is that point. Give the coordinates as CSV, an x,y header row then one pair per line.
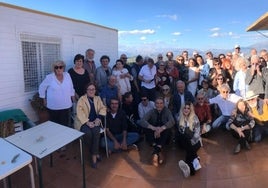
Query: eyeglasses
x,y
160,57
58,67
225,91
201,98
124,57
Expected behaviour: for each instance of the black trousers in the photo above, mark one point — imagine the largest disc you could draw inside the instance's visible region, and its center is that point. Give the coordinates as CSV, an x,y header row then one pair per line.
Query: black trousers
x,y
184,142
60,116
162,140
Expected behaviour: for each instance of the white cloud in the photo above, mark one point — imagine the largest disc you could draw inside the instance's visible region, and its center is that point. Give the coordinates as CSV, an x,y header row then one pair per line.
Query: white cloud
x,y
143,38
173,17
137,32
216,34
176,33
230,33
214,29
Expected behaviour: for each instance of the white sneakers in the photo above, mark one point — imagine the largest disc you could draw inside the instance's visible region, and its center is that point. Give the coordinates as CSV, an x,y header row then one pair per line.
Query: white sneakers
x,y
184,168
196,164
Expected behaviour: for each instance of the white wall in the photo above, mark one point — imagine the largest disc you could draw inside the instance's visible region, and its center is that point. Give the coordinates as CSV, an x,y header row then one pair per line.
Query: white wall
x,y
76,36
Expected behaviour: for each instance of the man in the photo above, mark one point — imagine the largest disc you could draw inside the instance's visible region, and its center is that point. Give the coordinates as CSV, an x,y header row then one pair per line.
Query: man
x,y
159,60
136,84
109,91
89,64
185,55
237,51
226,102
145,106
118,136
181,95
254,77
202,110
147,75
123,57
157,123
259,110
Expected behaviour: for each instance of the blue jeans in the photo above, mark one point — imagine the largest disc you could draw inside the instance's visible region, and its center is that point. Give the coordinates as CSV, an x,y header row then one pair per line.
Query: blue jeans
x,y
222,120
132,137
260,132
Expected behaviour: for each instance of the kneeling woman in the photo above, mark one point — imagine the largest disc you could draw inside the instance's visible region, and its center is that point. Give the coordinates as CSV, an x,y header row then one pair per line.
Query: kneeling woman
x,y
90,112
241,123
189,139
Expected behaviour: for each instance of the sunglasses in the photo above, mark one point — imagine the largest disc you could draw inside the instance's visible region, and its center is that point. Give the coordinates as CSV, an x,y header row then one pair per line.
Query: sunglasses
x,y
58,67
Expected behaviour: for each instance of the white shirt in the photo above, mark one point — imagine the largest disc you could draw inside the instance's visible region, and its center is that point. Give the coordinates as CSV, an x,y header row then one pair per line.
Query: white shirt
x,y
144,109
226,105
148,74
58,94
239,85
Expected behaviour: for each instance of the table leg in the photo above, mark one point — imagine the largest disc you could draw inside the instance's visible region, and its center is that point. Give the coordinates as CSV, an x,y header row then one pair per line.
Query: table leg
x,y
32,175
82,161
40,173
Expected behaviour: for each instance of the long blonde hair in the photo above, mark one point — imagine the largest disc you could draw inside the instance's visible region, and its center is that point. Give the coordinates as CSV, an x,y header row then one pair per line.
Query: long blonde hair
x,y
190,119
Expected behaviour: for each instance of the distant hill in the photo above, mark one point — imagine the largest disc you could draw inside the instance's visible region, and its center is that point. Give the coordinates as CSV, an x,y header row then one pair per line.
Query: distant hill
x,y
154,52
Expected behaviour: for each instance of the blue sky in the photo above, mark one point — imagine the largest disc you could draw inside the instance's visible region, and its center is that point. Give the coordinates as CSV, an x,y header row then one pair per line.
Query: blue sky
x,y
163,24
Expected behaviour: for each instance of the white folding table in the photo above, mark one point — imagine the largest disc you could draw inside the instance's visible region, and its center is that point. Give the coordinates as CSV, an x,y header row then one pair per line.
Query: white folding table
x,y
44,139
13,159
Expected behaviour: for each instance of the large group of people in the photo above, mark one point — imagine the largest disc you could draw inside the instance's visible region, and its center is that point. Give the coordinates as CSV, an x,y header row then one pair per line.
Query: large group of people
x,y
179,99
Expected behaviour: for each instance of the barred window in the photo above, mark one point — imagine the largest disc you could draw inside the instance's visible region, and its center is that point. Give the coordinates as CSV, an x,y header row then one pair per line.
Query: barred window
x,y
38,54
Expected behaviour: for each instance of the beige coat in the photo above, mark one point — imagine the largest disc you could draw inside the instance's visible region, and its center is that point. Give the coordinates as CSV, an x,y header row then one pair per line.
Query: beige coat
x,y
83,109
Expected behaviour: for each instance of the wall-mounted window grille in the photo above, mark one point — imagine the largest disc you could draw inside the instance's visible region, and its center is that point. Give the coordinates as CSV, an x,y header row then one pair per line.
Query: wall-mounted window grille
x,y
38,54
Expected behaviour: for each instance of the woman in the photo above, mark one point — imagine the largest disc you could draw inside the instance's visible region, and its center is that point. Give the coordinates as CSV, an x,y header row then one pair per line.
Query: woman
x,y
123,77
103,72
162,77
230,72
193,75
79,75
189,139
90,111
241,123
57,92
220,80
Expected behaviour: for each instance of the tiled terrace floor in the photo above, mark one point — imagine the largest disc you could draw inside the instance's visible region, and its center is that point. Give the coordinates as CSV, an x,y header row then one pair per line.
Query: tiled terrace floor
x,y
220,168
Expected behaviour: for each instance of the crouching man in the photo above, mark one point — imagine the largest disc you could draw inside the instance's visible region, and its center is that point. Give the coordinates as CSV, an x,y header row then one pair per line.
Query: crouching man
x,y
118,137
157,123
